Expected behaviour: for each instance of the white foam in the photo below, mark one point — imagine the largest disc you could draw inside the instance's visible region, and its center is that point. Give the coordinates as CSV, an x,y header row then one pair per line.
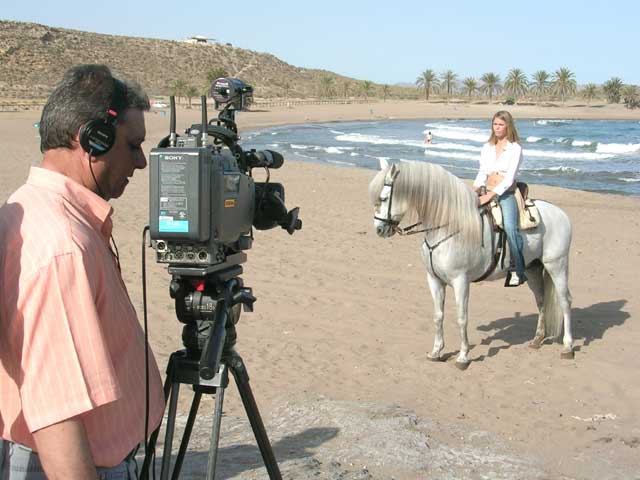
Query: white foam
x,y
376,140
630,180
299,147
533,139
618,147
337,132
354,154
581,143
561,169
456,134
552,122
274,145
333,150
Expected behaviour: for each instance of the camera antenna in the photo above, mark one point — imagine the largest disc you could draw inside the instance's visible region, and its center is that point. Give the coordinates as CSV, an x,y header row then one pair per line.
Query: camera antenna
x,y
172,121
203,101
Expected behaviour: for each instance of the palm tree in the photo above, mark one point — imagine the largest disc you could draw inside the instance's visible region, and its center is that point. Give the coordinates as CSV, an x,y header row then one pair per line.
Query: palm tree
x,y
470,85
367,86
346,86
540,84
516,83
564,83
190,91
429,81
448,82
612,88
326,86
214,73
178,88
630,96
490,84
589,91
385,92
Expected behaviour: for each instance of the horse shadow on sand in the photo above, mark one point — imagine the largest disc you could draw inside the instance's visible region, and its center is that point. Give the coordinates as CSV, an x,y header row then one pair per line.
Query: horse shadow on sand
x,y
238,458
589,324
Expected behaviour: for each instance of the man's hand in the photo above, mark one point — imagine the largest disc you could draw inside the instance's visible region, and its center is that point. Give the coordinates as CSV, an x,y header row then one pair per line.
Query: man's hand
x,y
64,452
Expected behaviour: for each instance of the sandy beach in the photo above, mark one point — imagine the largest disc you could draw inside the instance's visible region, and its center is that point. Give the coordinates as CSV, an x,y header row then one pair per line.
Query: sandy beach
x,y
336,347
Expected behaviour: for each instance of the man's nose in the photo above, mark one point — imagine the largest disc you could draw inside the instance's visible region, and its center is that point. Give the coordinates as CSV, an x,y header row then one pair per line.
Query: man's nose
x,y
141,161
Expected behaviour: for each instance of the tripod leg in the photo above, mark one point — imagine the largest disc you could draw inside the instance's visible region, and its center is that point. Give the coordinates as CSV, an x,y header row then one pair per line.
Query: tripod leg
x,y
149,450
195,404
168,437
242,381
215,434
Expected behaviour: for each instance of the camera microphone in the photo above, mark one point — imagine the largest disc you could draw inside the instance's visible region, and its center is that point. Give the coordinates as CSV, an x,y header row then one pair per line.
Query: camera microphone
x,y
264,158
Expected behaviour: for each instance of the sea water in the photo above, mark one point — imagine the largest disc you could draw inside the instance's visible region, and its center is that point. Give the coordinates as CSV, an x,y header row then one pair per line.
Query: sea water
x,y
594,155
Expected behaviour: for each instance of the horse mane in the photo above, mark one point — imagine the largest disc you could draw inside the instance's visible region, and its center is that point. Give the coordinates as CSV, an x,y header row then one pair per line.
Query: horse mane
x,y
437,197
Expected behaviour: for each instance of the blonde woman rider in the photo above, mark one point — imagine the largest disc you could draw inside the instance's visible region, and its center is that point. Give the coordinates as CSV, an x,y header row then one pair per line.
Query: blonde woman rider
x,y
500,160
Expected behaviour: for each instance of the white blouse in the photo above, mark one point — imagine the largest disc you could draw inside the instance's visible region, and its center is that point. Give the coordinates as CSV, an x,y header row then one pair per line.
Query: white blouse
x,y
506,165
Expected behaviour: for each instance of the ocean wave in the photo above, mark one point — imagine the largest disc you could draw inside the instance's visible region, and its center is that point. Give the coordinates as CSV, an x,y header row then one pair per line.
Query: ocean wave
x,y
337,132
561,168
629,180
581,143
552,122
454,134
448,154
453,146
566,155
446,126
618,147
299,147
376,140
533,139
333,150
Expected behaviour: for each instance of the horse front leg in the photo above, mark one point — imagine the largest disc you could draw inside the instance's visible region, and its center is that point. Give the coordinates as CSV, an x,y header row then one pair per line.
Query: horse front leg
x,y
461,291
438,290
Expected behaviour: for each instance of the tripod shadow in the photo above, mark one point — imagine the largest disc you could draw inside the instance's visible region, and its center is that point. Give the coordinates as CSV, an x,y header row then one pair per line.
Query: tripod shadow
x,y
588,324
235,459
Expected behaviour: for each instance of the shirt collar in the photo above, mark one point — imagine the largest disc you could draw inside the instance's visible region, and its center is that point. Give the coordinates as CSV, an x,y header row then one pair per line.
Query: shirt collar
x,y
97,209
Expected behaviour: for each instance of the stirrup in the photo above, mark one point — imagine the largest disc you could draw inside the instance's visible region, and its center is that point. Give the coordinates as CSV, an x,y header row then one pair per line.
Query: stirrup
x,y
514,280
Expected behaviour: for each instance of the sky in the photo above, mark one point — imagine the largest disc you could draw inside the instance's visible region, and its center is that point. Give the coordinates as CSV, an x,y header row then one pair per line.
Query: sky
x,y
385,42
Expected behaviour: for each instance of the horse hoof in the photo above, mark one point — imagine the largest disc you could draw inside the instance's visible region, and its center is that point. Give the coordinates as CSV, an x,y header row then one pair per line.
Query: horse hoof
x,y
567,355
535,345
462,365
434,359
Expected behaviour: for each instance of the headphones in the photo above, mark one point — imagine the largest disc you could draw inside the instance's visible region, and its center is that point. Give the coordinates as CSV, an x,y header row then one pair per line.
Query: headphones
x,y
98,135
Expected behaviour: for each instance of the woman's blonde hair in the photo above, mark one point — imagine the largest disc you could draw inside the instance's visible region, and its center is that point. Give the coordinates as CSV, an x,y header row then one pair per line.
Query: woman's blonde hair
x,y
512,133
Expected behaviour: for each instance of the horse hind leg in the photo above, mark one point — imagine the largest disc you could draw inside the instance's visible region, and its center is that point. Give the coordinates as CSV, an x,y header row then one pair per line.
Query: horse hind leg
x,y
559,304
536,285
438,290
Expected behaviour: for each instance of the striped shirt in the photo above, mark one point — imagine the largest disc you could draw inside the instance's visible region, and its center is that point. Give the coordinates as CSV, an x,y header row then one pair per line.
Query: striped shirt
x,y
70,341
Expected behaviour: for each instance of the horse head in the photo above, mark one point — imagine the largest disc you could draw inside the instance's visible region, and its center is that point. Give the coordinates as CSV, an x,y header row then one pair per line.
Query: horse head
x,y
390,207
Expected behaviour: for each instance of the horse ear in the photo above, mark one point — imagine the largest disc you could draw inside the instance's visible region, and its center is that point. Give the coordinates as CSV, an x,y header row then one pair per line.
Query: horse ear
x,y
384,163
392,173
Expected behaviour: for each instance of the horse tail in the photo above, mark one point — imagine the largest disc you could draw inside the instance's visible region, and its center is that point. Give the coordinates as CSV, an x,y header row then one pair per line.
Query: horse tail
x,y
553,318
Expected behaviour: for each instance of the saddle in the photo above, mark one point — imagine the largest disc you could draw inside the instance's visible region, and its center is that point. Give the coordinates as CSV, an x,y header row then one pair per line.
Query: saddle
x,y
529,216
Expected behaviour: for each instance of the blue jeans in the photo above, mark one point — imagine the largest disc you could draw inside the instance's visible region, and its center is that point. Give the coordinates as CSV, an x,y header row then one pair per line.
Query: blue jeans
x,y
510,220
18,462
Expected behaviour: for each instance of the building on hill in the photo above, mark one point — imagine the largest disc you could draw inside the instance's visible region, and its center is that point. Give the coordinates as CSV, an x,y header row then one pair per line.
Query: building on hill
x,y
200,40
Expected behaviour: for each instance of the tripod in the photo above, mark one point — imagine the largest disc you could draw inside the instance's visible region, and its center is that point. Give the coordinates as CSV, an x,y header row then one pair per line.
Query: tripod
x,y
205,365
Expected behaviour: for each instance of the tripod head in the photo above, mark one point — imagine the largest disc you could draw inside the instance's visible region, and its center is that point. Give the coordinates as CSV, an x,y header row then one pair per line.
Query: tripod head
x,y
209,306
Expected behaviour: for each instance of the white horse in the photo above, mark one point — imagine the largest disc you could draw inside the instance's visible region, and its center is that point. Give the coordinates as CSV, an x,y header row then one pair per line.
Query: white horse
x,y
459,247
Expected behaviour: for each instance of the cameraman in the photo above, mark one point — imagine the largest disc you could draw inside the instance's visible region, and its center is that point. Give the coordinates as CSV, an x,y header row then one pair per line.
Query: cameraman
x,y
72,374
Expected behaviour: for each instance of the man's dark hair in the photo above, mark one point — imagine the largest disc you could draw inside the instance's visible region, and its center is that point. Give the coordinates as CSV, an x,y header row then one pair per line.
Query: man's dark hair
x,y
83,94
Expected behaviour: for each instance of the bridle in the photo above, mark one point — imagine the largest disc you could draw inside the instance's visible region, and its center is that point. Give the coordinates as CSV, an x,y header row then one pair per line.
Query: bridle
x,y
389,181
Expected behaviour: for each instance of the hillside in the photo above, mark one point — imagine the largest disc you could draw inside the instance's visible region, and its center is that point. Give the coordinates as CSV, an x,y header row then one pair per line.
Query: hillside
x,y
33,57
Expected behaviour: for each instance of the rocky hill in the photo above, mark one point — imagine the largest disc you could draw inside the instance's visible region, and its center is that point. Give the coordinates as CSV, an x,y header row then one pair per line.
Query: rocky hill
x,y
33,57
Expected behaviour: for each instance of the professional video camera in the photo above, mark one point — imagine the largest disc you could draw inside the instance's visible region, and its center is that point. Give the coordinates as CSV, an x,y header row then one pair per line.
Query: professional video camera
x,y
203,201
203,206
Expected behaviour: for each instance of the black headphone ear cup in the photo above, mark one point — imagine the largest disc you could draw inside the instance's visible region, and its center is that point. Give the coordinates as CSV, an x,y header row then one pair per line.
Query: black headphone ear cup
x,y
97,137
